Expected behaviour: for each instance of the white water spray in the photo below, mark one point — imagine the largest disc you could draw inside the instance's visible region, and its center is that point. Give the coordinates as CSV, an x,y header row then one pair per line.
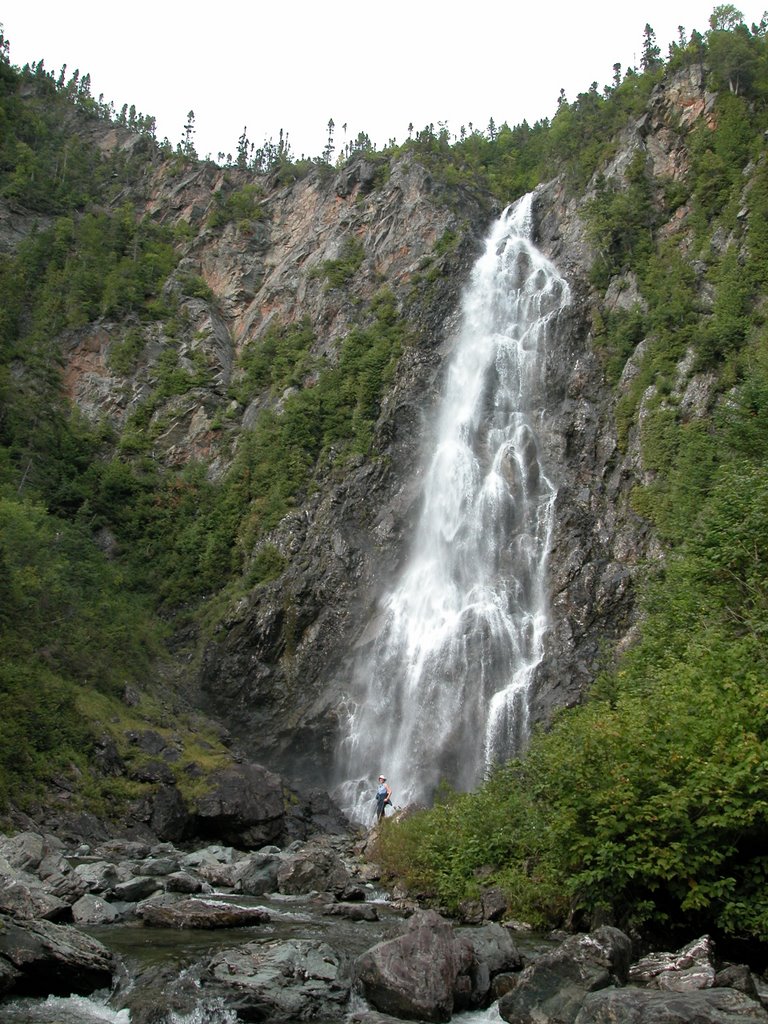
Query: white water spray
x,y
442,691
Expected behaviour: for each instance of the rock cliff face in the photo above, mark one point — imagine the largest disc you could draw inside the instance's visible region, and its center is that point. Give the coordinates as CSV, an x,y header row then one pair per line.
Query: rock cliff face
x,y
276,663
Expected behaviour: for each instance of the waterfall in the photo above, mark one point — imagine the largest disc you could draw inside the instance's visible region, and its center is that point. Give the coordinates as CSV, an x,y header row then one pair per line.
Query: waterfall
x,y
441,693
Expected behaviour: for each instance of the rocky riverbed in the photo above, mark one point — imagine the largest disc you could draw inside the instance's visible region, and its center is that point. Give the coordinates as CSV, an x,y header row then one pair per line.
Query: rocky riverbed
x,y
133,933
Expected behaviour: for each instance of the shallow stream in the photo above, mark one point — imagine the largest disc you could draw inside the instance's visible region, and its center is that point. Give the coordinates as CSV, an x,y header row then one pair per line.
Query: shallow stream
x,y
139,947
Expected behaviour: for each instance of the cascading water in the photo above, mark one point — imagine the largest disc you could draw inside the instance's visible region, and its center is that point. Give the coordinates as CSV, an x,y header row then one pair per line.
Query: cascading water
x,y
442,692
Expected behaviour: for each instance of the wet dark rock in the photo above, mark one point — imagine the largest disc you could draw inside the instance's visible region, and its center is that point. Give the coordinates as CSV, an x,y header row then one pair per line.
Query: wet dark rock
x,y
200,914
368,1016
494,904
315,812
645,1006
353,894
352,911
737,976
9,976
157,994
555,986
53,958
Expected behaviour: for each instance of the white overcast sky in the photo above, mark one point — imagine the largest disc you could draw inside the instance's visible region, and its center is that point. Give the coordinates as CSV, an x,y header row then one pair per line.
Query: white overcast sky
x,y
294,64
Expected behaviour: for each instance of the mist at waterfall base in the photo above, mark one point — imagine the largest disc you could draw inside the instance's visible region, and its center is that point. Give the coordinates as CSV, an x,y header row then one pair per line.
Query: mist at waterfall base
x,y
441,693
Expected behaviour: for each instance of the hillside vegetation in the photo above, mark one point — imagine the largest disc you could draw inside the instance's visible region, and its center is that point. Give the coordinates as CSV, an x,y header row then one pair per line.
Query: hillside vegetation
x,y
647,803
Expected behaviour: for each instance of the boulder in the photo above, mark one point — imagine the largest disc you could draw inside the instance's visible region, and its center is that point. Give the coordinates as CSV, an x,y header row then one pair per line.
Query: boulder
x,y
30,901
139,888
555,986
353,894
184,882
69,887
313,813
53,959
220,876
157,866
633,1005
352,911
737,976
122,849
493,952
90,909
258,875
200,914
53,864
313,867
494,903
24,850
167,814
280,982
413,976
244,806
209,855
100,876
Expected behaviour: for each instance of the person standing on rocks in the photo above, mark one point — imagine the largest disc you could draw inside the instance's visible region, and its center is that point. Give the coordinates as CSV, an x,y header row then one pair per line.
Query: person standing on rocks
x,y
383,797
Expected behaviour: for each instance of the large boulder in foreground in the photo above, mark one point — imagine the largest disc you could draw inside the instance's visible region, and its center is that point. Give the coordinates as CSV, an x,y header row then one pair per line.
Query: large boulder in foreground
x,y
413,975
554,987
52,959
243,806
431,972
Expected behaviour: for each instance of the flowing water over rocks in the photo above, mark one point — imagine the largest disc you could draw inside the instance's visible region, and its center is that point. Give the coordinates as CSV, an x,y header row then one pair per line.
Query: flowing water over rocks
x,y
346,954
442,692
